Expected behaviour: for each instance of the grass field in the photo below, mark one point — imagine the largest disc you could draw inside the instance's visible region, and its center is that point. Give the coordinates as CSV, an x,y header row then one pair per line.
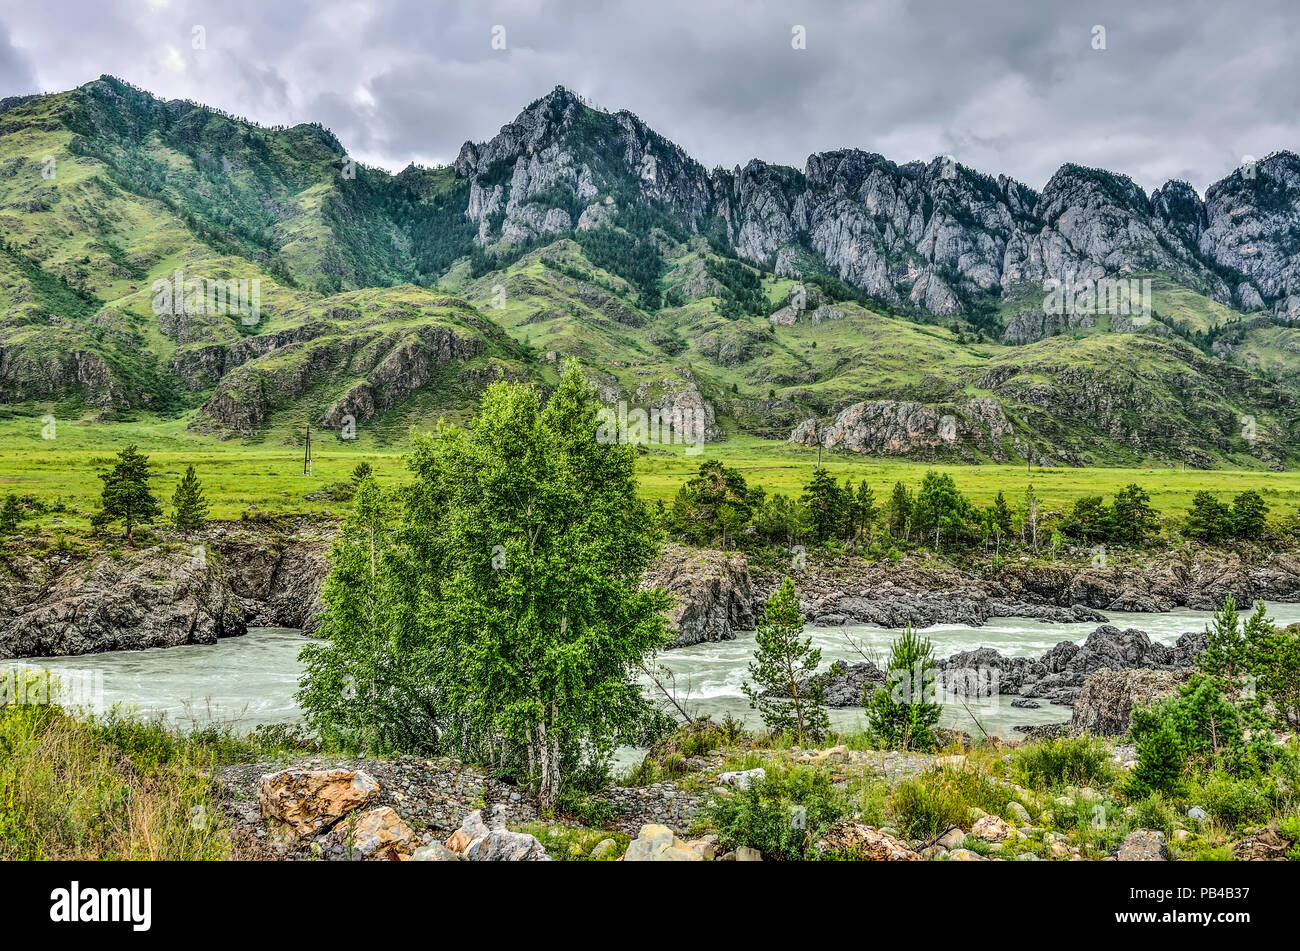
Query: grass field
x,y
268,476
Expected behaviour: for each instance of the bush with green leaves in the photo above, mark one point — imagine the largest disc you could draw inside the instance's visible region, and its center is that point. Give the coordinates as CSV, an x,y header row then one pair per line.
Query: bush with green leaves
x,y
492,608
781,815
926,805
1233,802
1062,761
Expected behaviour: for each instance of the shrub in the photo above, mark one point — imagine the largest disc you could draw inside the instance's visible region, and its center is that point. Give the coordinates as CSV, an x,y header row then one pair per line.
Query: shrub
x,y
1080,761
925,805
903,714
781,815
1153,813
1162,762
1233,802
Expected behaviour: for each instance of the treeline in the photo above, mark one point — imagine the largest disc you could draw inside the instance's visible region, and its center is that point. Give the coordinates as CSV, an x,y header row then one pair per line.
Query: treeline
x,y
717,507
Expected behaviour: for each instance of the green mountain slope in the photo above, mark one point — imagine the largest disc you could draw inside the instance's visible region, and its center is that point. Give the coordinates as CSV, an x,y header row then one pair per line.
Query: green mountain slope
x,y
389,301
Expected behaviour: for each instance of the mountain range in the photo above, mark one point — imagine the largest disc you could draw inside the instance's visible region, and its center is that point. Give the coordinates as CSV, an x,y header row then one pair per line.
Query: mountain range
x,y
896,309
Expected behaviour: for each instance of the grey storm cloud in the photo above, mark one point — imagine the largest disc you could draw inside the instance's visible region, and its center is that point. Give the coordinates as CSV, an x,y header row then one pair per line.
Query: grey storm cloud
x,y
1181,89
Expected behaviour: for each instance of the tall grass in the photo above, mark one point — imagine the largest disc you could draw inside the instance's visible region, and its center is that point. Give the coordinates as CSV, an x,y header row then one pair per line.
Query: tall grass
x,y
69,793
1061,761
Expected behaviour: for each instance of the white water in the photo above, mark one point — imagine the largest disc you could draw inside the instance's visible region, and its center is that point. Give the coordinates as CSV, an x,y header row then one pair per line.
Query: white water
x,y
250,680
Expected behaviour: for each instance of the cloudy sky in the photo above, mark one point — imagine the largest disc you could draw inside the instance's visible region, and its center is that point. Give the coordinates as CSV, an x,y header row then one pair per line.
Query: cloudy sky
x,y
1181,89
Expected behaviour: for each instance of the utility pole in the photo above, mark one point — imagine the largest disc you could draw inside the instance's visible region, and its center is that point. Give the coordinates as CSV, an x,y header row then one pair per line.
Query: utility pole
x,y
306,458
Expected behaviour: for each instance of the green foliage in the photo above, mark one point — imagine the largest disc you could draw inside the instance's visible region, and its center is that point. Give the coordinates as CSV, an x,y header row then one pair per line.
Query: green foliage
x,y
713,506
1233,802
1090,520
742,288
940,509
925,806
126,497
1162,761
189,507
782,659
637,261
864,510
898,511
11,515
829,505
1209,520
1132,516
501,615
903,713
783,521
781,815
1249,515
1061,761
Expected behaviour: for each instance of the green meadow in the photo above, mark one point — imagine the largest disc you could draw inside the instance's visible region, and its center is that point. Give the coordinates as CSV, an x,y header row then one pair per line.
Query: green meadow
x,y
266,476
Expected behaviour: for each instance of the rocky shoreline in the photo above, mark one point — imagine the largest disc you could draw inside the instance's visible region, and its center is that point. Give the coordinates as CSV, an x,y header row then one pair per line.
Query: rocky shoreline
x,y
1059,677
66,600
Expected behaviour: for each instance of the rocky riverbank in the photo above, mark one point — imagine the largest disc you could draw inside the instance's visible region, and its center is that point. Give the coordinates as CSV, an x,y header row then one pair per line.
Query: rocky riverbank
x,y
193,590
75,599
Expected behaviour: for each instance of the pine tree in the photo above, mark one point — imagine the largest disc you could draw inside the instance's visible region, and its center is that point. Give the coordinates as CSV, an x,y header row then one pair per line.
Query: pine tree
x,y
899,510
126,497
189,507
1226,649
903,713
10,515
1249,514
1208,520
828,504
782,660
1133,517
864,510
1162,761
1002,515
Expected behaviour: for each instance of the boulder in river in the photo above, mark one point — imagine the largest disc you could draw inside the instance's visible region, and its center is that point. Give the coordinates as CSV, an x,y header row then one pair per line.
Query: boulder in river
x,y
1107,698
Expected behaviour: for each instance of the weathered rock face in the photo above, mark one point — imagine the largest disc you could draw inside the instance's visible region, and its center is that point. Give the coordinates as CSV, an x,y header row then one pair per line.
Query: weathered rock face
x,y
1144,846
276,576
715,595
152,597
892,428
391,364
1107,698
1058,676
845,685
310,801
376,833
215,584
557,146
